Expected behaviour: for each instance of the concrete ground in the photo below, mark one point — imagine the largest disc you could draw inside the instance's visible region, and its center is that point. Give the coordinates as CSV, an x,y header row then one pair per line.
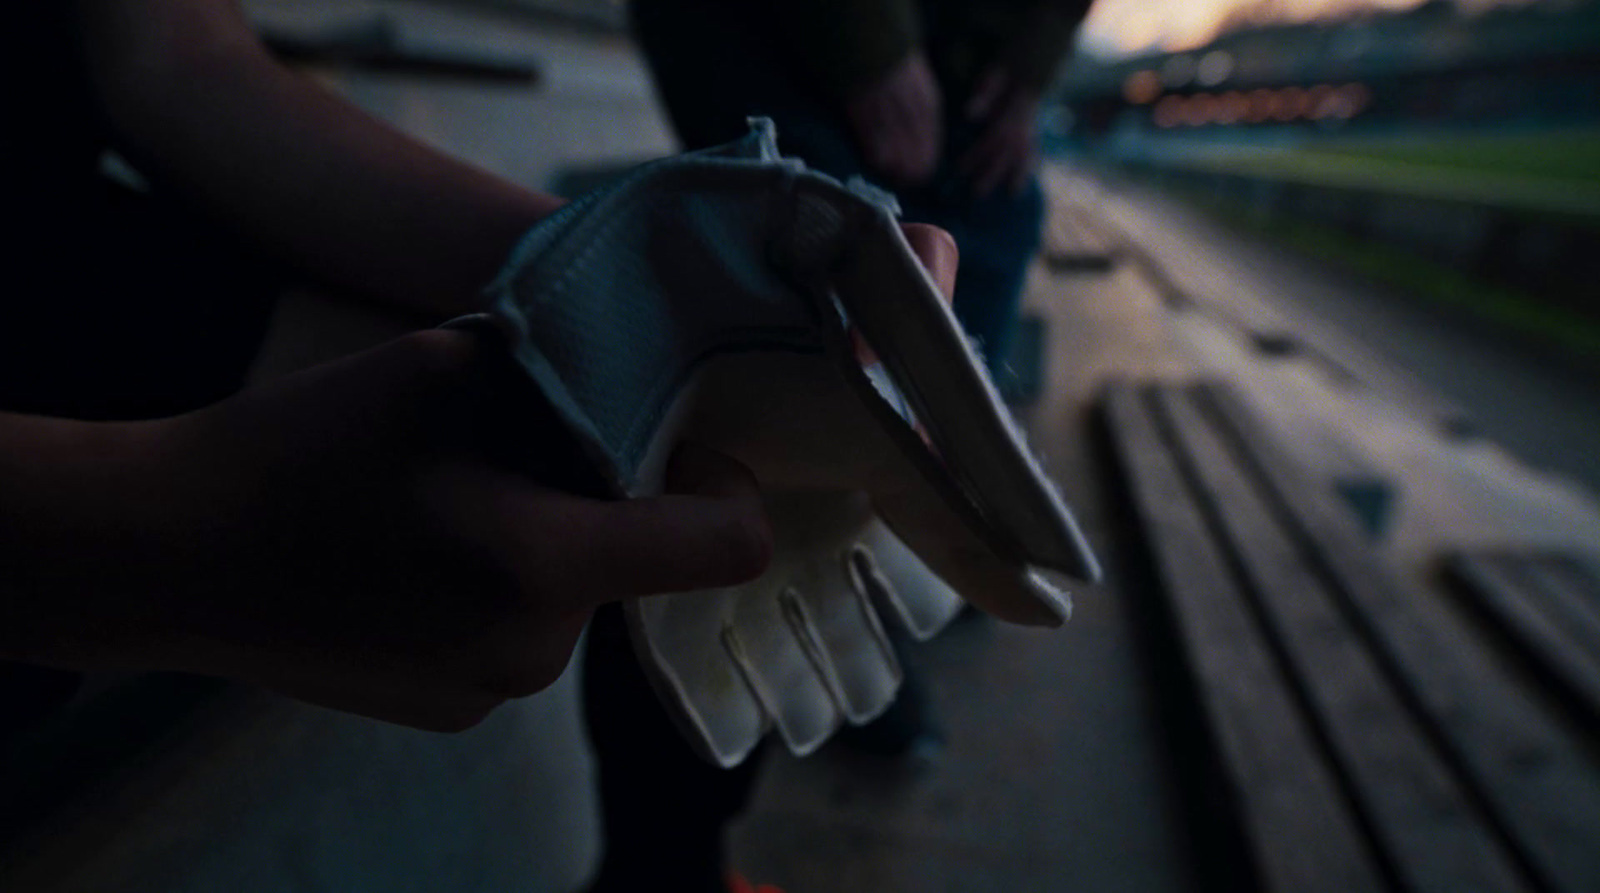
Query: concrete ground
x,y
1060,772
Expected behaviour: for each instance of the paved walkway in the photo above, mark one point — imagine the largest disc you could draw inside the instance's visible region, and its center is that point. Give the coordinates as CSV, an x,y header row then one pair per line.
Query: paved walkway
x,y
1060,774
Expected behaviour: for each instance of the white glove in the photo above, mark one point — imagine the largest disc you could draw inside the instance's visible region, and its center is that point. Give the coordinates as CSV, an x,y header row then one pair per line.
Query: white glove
x,y
711,297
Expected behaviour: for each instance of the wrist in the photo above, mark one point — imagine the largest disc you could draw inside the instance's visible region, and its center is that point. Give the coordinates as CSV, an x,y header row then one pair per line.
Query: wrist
x,y
80,556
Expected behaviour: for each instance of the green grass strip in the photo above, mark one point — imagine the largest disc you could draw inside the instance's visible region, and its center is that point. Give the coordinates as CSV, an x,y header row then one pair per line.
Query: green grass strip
x,y
1567,155
1512,191
1436,283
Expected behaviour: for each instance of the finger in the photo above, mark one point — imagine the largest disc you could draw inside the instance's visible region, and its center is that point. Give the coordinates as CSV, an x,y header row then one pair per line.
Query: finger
x,y
1005,154
898,157
411,378
710,532
990,178
455,712
695,469
678,543
922,155
874,134
938,252
924,137
906,149
895,164
982,166
525,655
994,173
887,131
986,94
433,707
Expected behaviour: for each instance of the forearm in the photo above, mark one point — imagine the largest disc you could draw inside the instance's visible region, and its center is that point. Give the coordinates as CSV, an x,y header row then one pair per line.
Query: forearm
x,y
74,558
195,99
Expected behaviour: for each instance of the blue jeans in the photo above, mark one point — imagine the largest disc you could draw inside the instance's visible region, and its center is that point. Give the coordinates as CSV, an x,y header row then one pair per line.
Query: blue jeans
x,y
718,63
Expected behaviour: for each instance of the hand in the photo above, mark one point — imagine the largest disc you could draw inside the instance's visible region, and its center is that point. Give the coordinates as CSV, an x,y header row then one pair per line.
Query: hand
x,y
897,122
823,531
345,536
938,253
1007,146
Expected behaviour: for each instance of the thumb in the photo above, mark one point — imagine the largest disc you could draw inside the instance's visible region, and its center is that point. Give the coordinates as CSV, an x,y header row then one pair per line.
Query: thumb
x,y
937,250
400,393
710,531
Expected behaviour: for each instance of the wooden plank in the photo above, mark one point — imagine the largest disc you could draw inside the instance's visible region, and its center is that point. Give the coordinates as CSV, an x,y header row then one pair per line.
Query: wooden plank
x,y
1424,821
1296,821
1543,787
377,49
1501,589
1571,593
1072,245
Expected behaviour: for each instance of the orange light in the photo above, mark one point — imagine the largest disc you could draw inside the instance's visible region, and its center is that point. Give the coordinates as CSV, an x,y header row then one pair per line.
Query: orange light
x,y
1200,109
1347,101
1260,103
1168,112
1232,107
1317,101
1289,104
1141,87
1360,95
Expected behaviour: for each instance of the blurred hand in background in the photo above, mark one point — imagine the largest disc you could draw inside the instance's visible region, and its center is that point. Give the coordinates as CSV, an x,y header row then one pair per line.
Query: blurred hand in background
x,y
1006,150
897,121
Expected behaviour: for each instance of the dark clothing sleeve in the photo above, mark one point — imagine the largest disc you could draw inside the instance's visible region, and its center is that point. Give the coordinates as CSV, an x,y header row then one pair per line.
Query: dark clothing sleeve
x,y
1042,38
847,44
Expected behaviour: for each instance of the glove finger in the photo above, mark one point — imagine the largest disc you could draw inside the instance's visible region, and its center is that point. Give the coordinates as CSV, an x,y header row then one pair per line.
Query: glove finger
x,y
1007,588
839,630
921,345
825,603
831,615
679,641
781,669
902,585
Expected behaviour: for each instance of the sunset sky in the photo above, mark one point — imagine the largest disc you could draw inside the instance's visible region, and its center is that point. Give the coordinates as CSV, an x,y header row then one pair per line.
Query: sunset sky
x,y
1117,27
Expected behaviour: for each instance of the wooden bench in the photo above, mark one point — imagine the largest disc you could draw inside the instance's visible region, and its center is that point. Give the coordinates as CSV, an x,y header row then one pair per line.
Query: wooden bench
x,y
1352,736
1072,244
375,45
1546,607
